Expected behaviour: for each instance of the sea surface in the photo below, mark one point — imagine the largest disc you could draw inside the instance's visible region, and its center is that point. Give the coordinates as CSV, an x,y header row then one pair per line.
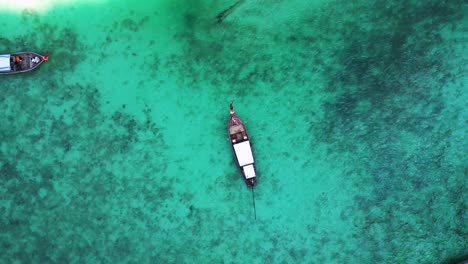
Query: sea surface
x,y
116,150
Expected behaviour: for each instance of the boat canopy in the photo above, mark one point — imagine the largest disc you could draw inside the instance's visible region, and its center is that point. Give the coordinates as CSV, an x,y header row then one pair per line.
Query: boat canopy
x,y
243,153
249,171
5,63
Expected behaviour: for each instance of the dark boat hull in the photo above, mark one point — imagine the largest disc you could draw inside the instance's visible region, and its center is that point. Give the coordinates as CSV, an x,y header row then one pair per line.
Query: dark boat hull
x,y
242,150
26,64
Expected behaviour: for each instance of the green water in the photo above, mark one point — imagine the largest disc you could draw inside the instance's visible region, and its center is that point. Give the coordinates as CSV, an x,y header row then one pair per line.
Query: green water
x,y
116,151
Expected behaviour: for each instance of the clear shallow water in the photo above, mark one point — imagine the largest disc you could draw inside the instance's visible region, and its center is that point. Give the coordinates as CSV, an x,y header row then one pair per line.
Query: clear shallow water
x,y
115,150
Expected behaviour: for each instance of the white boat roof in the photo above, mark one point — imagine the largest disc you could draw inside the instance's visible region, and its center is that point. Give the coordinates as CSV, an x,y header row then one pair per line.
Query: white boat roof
x,y
244,153
5,63
249,171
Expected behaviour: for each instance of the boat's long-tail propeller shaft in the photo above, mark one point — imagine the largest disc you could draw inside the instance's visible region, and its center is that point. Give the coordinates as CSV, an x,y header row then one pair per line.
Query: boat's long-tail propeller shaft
x,y
253,201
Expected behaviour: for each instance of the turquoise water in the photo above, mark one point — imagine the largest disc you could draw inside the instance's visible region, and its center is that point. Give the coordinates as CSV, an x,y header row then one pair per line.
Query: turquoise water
x,y
116,151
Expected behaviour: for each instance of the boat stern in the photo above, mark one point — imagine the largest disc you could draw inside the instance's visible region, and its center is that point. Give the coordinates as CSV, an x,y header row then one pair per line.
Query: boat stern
x,y
251,182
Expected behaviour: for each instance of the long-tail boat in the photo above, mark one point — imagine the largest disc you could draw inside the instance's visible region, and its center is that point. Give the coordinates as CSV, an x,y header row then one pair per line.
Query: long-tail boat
x,y
20,62
242,149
